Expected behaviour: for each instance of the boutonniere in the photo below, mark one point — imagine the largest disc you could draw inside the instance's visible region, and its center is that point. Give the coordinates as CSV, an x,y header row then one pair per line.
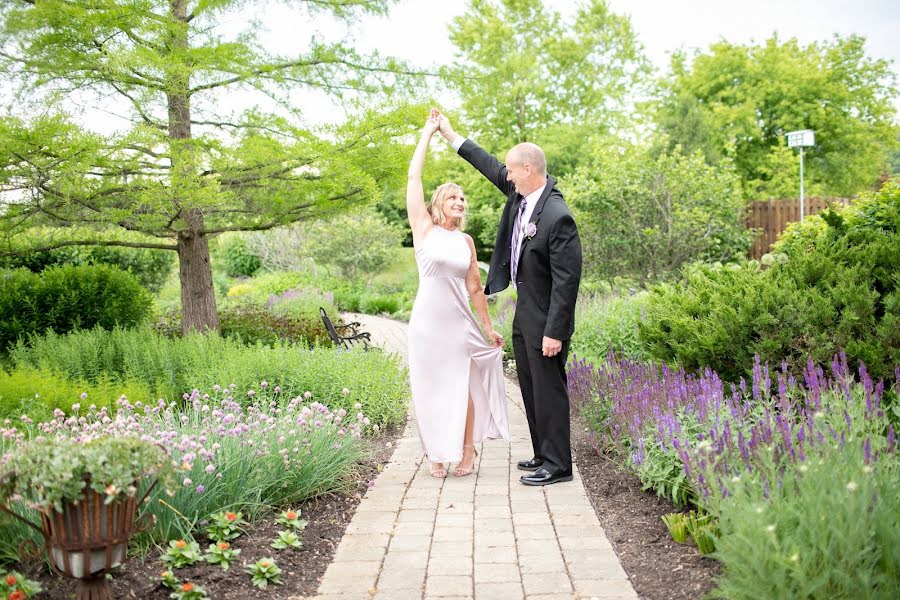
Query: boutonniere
x,y
530,230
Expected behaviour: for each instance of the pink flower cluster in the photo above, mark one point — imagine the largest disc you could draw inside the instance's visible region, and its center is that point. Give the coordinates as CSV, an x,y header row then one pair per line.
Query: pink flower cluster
x,y
208,428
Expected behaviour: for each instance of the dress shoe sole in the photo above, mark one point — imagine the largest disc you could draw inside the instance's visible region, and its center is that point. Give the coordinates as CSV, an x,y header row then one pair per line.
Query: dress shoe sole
x,y
521,468
547,481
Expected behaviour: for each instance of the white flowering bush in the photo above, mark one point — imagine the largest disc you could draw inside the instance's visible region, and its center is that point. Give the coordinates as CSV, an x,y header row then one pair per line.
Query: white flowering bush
x,y
250,451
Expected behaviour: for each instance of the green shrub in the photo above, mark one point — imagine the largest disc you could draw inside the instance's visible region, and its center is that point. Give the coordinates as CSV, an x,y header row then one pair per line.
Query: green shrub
x,y
37,392
347,298
150,266
608,323
720,316
239,261
374,304
253,324
828,531
65,298
830,289
261,287
644,216
172,367
17,310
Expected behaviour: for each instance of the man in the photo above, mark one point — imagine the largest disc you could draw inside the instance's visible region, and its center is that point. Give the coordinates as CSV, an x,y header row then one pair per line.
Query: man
x,y
538,249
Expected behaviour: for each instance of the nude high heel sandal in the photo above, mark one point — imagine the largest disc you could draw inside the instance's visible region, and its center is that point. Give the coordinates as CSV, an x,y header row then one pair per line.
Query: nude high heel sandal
x,y
461,472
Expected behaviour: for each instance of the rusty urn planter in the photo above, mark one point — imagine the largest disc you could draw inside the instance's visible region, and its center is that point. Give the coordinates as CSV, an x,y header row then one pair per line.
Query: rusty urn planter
x,y
89,537
86,496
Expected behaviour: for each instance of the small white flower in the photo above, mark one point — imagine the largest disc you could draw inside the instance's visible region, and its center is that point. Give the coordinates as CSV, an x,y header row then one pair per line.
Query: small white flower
x,y
795,557
345,391
867,469
704,446
851,486
770,528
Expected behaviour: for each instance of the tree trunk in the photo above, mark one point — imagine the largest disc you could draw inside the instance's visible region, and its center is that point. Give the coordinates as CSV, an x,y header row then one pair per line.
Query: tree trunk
x,y
198,298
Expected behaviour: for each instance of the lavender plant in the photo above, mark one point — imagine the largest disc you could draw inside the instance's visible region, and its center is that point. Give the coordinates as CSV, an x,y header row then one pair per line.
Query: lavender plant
x,y
758,457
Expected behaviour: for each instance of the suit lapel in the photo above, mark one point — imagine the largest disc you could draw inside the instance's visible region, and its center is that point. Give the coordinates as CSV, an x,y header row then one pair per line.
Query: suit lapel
x,y
536,213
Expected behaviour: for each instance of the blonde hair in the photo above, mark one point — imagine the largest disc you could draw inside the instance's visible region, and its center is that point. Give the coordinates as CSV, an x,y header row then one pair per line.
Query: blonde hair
x,y
436,207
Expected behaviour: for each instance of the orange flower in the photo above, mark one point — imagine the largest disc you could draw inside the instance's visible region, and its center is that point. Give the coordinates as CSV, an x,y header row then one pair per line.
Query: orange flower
x,y
264,564
224,545
291,515
10,580
186,587
181,544
230,516
17,595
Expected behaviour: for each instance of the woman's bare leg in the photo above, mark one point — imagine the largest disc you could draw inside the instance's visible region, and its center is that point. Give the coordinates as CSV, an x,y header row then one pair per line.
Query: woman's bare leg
x,y
467,464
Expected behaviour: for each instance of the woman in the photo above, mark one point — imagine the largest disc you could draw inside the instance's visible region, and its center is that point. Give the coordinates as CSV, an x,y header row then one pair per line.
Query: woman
x,y
456,376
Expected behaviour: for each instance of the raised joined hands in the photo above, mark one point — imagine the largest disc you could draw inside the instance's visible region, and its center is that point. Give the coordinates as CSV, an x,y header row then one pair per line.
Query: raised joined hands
x,y
438,122
432,123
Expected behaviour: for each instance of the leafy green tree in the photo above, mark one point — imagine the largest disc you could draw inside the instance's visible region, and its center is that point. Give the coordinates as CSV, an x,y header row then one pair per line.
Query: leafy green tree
x,y
643,217
186,169
357,246
521,69
742,100
524,73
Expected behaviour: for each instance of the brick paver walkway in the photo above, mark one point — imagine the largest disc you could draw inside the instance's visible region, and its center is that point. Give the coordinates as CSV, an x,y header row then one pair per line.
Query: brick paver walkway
x,y
481,537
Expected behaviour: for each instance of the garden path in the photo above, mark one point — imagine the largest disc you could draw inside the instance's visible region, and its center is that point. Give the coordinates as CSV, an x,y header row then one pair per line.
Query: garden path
x,y
482,537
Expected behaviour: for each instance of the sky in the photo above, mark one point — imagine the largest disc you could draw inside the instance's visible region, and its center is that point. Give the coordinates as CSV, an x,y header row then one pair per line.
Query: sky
x,y
416,30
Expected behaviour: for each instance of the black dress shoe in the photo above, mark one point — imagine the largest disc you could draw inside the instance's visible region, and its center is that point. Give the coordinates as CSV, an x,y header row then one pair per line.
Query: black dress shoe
x,y
544,477
530,465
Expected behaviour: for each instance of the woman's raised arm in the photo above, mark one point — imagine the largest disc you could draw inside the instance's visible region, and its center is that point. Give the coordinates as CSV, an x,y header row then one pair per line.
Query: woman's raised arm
x,y
419,219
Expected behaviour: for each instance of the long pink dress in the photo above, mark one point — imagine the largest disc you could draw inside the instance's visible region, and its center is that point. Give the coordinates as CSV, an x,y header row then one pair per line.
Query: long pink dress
x,y
448,355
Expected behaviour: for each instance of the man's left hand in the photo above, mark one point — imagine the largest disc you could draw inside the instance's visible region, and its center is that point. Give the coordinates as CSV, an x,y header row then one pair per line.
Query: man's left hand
x,y
551,347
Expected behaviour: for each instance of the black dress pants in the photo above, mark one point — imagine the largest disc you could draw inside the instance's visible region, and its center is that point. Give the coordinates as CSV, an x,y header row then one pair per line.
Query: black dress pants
x,y
542,380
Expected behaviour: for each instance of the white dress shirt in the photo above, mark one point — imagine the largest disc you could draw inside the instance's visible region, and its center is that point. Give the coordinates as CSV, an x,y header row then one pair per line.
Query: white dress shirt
x,y
530,201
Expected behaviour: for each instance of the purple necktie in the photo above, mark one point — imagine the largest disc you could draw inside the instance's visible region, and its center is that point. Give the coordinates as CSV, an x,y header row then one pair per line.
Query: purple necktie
x,y
516,236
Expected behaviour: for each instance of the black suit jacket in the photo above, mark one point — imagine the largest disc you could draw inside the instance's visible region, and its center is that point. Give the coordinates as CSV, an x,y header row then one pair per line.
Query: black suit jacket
x,y
549,268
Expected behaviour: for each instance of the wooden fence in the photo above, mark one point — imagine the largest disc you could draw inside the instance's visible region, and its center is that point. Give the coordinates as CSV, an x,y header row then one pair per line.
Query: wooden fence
x,y
772,216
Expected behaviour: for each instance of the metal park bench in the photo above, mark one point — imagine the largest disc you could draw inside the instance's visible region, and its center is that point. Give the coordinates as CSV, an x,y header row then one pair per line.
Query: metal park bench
x,y
338,335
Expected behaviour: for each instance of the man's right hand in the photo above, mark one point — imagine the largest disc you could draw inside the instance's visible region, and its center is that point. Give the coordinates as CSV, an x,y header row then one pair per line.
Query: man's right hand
x,y
446,129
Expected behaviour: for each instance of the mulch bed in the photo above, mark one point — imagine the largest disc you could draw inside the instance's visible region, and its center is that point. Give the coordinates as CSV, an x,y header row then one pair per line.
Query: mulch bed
x,y
659,568
303,569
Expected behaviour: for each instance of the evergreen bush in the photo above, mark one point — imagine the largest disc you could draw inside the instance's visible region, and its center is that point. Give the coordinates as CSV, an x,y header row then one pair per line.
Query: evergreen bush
x,y
832,284
65,298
